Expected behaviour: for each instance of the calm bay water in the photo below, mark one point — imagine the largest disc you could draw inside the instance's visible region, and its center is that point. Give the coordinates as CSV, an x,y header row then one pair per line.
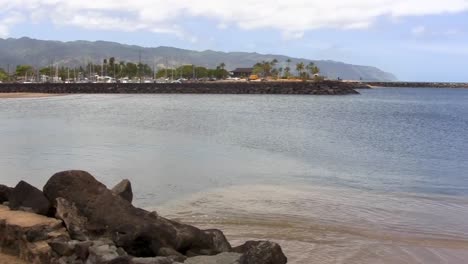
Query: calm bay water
x,y
380,177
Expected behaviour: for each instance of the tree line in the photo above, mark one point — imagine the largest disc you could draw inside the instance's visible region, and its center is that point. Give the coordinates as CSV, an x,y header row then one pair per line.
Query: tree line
x,y
121,69
269,69
114,69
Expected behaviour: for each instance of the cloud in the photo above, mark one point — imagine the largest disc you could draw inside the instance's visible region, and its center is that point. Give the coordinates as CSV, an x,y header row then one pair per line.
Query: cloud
x,y
7,21
292,18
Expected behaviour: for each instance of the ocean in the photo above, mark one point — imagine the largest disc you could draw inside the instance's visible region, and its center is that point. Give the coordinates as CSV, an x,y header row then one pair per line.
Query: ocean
x,y
380,177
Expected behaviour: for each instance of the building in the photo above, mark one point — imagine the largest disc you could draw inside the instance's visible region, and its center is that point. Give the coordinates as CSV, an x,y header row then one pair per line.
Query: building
x,y
242,72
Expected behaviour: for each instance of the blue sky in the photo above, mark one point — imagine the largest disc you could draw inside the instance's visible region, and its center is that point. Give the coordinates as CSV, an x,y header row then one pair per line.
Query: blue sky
x,y
416,40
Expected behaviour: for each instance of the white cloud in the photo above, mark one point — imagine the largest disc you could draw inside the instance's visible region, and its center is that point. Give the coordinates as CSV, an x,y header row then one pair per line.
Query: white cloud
x,y
7,21
292,17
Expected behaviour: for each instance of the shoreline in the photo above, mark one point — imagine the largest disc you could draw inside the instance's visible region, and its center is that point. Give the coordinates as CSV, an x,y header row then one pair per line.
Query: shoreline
x,y
27,95
440,85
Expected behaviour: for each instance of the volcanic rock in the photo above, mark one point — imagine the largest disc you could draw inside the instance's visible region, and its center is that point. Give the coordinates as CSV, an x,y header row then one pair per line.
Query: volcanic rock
x,y
25,195
138,232
124,190
5,192
264,252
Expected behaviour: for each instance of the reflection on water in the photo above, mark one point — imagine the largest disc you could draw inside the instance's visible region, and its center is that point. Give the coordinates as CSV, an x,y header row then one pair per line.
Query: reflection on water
x,y
374,178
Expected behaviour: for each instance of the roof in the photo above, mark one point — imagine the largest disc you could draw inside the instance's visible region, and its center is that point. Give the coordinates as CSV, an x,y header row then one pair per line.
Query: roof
x,y
243,70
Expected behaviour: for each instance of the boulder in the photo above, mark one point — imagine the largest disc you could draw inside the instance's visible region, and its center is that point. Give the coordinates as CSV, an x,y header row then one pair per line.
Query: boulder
x,y
103,253
5,192
124,190
223,258
71,217
62,247
139,232
155,260
261,252
27,235
25,195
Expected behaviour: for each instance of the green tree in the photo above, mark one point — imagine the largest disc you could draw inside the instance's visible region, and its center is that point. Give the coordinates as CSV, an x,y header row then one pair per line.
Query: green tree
x,y
288,61
131,70
3,75
274,62
23,70
105,67
222,65
315,70
300,69
201,72
265,68
112,65
287,71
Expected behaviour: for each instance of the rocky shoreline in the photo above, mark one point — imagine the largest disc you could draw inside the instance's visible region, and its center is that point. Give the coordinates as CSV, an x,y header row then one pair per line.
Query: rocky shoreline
x,y
418,84
316,88
76,219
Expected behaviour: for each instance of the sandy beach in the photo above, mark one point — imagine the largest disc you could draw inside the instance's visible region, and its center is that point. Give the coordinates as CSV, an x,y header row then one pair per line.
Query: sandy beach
x,y
8,259
26,95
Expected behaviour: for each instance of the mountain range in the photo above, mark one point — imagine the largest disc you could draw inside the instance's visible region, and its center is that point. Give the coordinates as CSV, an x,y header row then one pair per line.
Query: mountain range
x,y
74,53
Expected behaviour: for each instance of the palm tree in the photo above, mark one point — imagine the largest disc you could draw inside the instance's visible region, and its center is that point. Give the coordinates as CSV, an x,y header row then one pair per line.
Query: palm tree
x,y
222,65
274,62
287,70
300,68
105,67
280,71
310,67
315,70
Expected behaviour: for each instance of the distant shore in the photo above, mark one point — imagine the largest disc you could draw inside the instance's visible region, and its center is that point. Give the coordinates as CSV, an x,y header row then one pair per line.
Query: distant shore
x,y
26,95
417,84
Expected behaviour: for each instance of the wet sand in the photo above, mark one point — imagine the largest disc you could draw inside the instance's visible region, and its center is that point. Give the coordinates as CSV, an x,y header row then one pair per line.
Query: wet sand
x,y
26,95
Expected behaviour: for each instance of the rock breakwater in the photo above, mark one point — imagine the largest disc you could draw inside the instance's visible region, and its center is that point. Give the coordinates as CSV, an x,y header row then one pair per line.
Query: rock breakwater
x,y
419,84
317,88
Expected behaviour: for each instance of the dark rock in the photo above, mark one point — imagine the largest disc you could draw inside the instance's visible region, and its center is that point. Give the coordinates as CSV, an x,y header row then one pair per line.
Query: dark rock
x,y
26,195
220,242
34,235
191,88
261,252
170,252
120,260
82,249
62,248
137,231
223,258
5,192
71,217
124,190
103,253
155,260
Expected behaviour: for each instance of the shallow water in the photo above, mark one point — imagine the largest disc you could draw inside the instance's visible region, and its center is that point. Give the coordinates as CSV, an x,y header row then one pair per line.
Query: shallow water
x,y
374,178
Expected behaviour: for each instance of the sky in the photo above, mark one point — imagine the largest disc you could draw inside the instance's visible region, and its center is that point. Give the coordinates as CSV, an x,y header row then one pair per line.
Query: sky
x,y
417,40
